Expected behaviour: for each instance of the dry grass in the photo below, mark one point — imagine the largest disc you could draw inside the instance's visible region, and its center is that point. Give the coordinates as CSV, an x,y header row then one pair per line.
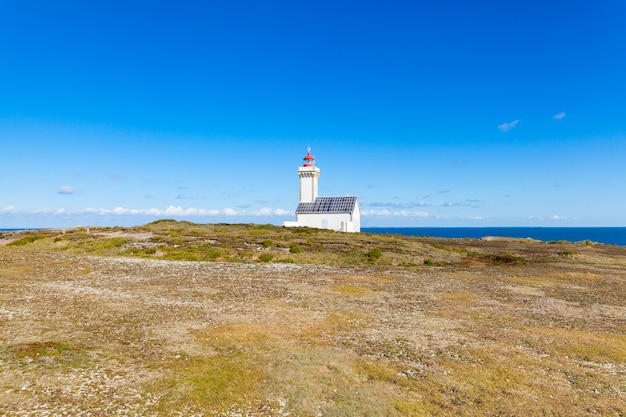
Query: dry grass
x,y
504,328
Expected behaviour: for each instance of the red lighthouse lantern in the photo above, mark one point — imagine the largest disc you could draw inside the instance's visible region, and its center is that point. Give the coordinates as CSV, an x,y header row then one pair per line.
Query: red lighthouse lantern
x,y
309,161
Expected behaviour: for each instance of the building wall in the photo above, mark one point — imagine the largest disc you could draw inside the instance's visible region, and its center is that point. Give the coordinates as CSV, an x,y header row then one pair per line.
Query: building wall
x,y
356,218
342,222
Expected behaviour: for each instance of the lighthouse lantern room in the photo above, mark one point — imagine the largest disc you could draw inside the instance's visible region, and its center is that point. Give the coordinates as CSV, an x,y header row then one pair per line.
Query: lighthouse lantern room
x,y
309,161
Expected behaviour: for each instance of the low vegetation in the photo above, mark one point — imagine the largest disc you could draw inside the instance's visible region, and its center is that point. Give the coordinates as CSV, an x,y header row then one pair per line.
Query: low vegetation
x,y
184,241
175,318
25,240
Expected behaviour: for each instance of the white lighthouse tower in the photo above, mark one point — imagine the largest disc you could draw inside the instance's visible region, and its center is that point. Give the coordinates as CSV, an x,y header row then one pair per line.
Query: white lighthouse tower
x,y
335,213
308,174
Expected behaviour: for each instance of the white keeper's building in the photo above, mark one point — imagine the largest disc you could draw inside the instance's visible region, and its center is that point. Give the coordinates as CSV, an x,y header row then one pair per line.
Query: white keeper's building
x,y
335,213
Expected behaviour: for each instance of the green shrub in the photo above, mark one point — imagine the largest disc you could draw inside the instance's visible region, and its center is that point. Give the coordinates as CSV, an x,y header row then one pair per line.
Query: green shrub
x,y
286,261
266,243
502,258
373,255
212,254
266,257
25,240
429,262
448,248
104,244
295,248
139,251
181,256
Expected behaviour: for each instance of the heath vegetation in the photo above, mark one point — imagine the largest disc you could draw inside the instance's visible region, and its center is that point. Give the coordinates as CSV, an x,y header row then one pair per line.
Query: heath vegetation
x,y
176,318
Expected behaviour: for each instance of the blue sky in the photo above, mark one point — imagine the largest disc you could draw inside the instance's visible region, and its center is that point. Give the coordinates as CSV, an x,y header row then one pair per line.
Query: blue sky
x,y
446,113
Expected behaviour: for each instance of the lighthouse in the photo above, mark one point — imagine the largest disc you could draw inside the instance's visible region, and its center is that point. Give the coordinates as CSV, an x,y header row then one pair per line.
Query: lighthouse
x,y
335,213
308,174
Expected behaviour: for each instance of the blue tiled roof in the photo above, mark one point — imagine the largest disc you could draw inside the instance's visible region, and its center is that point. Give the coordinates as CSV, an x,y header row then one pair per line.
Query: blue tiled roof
x,y
328,205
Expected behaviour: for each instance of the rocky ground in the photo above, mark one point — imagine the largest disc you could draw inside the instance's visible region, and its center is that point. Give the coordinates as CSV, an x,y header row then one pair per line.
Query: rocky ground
x,y
538,330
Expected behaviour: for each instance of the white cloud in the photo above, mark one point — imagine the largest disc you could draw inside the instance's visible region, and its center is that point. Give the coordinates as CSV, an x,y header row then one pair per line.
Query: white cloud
x,y
557,217
179,211
266,211
405,213
282,212
505,127
190,211
559,116
397,205
383,212
397,213
174,211
66,189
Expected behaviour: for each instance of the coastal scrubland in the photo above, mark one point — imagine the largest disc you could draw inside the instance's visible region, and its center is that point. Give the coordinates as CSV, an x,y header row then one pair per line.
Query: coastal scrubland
x,y
176,318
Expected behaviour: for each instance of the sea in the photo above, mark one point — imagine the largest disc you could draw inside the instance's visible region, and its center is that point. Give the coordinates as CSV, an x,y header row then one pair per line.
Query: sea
x,y
606,235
